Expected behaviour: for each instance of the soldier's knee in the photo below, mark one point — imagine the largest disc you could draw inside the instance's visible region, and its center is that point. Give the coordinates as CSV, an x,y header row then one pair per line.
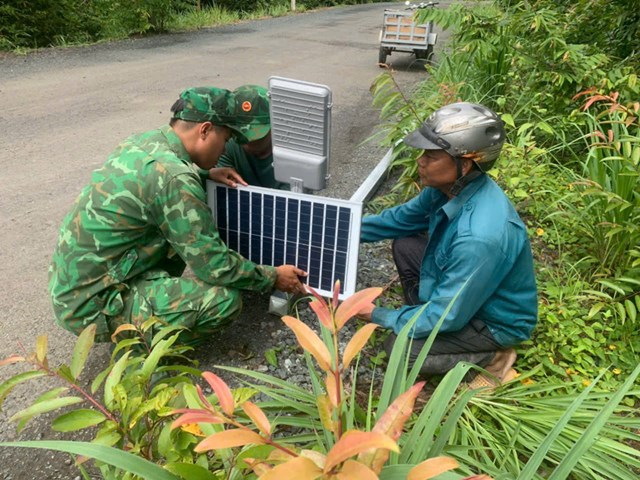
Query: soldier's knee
x,y
224,304
233,302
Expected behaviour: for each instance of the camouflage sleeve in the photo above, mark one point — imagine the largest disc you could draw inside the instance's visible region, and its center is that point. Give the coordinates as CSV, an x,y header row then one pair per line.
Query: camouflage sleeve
x,y
184,218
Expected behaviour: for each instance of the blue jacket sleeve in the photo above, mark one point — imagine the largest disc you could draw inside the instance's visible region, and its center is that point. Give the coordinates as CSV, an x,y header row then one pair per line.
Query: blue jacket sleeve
x,y
397,222
474,270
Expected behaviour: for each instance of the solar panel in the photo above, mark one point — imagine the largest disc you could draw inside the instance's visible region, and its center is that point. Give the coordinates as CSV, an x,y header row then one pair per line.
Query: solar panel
x,y
273,227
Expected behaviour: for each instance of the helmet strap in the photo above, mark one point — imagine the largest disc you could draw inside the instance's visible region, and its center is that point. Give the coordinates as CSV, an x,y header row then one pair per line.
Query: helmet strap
x,y
463,180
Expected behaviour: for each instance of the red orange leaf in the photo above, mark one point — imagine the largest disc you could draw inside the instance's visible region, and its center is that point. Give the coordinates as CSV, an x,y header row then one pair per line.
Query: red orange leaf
x,y
299,468
225,397
11,359
323,314
336,292
353,442
316,457
196,417
352,470
357,342
392,420
310,342
332,388
354,304
316,294
432,468
258,417
279,456
259,467
391,423
228,439
203,399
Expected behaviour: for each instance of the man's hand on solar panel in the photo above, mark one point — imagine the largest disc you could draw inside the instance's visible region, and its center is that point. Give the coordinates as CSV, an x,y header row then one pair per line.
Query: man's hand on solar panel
x,y
226,176
288,279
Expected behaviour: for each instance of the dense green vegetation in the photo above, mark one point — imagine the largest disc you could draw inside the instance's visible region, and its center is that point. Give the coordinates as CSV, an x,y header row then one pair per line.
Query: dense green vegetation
x,y
43,23
563,76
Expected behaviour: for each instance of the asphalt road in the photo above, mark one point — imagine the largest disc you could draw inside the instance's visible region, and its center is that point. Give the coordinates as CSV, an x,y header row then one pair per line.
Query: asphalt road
x,y
62,111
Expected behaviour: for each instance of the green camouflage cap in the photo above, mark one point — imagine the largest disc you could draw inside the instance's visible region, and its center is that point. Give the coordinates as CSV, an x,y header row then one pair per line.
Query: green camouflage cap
x,y
252,111
209,104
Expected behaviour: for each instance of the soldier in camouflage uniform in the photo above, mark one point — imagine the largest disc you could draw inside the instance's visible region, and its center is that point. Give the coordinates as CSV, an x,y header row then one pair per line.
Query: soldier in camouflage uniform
x,y
143,216
250,162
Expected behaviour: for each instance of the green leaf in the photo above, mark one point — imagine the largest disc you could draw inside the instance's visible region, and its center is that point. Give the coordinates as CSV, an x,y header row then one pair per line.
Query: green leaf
x,y
124,343
81,350
113,378
46,406
508,119
151,362
77,420
108,435
54,393
631,310
188,471
95,385
545,127
8,385
163,332
109,455
242,394
272,357
65,373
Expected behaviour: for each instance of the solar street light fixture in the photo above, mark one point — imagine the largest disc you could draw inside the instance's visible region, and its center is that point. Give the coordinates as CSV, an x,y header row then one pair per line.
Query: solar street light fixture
x,y
300,132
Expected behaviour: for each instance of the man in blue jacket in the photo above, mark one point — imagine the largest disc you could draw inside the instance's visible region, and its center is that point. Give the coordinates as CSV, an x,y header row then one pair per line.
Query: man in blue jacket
x,y
461,250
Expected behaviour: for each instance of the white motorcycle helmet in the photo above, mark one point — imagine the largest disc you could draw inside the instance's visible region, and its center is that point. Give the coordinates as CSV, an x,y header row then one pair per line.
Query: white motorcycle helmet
x,y
463,130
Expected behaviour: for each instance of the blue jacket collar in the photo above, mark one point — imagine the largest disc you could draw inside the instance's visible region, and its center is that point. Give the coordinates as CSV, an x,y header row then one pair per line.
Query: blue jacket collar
x,y
453,206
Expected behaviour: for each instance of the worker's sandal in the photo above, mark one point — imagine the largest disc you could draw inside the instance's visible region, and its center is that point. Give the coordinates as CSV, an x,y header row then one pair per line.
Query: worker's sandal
x,y
498,371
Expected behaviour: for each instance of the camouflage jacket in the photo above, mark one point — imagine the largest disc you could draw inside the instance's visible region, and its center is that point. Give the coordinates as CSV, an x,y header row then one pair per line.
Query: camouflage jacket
x,y
145,209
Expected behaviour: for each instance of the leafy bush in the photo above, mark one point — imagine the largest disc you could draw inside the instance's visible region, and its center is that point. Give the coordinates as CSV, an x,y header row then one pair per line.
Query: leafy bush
x,y
517,431
141,386
36,23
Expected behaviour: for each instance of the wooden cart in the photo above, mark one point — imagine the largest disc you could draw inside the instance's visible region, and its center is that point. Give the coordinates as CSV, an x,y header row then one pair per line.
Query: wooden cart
x,y
401,34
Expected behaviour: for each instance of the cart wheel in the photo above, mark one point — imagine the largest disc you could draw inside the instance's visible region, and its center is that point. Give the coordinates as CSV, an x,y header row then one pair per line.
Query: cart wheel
x,y
424,54
382,57
429,54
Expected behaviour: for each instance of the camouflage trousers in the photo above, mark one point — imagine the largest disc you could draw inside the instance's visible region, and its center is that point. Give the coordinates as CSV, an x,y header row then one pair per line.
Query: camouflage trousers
x,y
188,302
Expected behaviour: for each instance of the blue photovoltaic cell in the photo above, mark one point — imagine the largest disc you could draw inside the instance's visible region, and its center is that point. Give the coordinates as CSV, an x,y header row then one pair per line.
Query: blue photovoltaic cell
x,y
274,230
